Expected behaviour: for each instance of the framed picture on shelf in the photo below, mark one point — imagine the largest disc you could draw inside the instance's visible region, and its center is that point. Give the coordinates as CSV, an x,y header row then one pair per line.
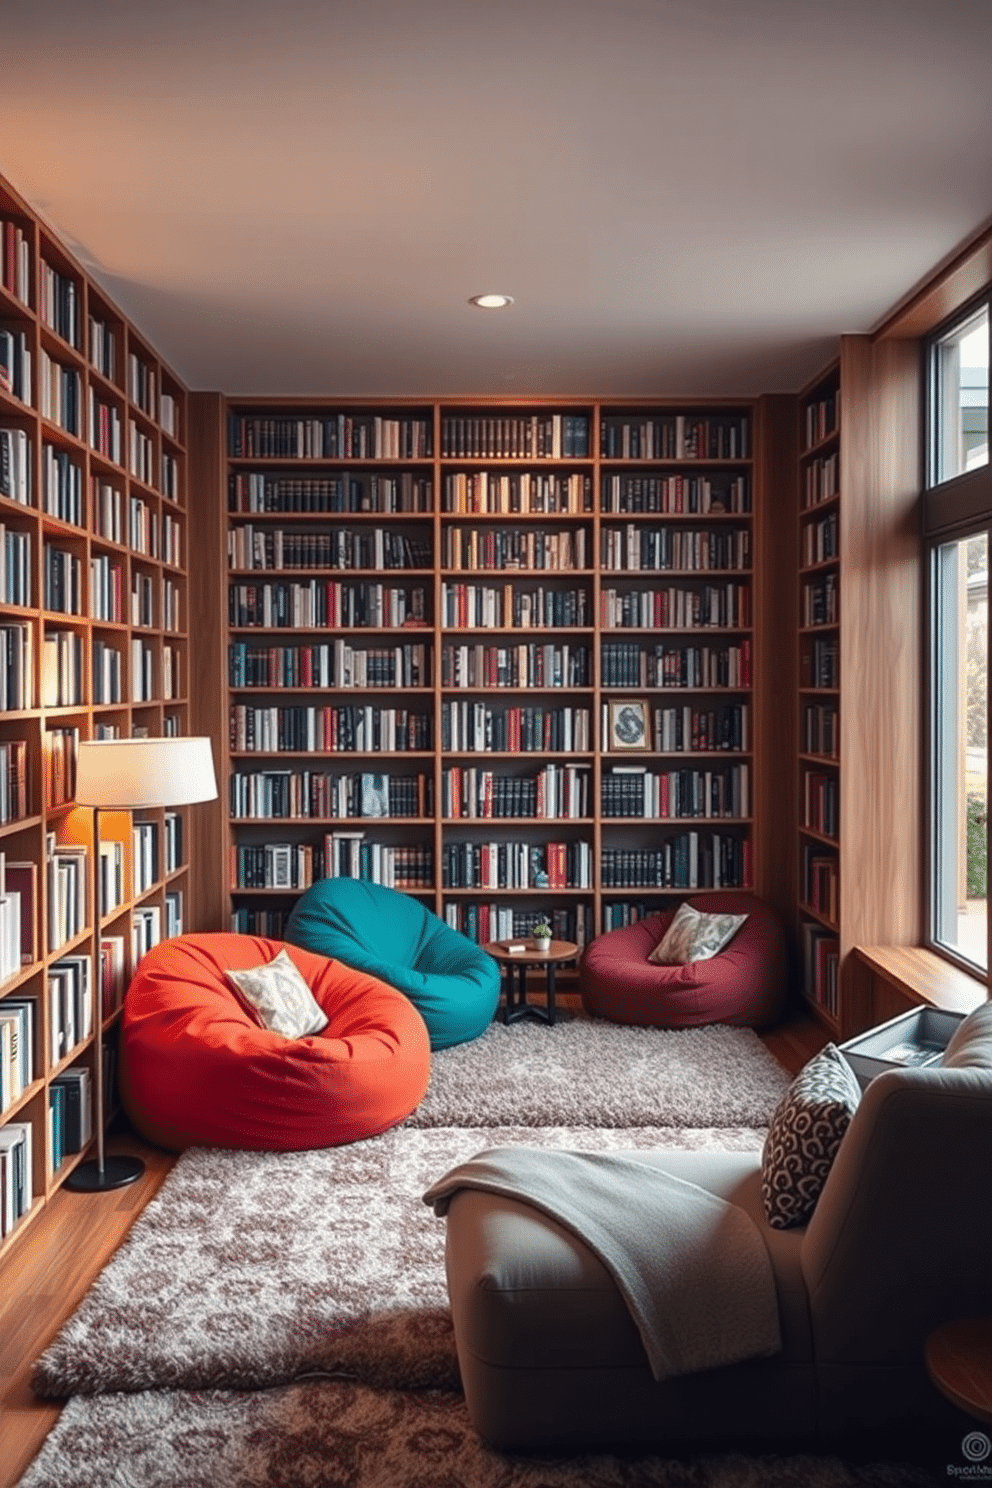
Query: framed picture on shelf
x,y
629,722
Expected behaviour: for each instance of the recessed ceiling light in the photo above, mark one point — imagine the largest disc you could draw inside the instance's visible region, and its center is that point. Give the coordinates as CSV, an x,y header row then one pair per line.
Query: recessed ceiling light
x,y
491,301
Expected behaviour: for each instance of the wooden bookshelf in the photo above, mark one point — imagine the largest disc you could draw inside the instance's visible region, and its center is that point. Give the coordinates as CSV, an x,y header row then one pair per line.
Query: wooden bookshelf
x,y
535,618
95,602
859,748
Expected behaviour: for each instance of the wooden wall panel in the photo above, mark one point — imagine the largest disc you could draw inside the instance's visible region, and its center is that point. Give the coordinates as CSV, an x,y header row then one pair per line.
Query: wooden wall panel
x,y
208,664
881,643
776,698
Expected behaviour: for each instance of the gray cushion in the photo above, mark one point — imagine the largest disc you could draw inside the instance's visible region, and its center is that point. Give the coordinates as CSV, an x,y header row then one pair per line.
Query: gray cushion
x,y
970,1046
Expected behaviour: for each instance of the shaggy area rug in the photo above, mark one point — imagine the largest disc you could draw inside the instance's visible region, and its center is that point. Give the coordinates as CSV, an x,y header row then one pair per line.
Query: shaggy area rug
x,y
252,1269
588,1072
331,1434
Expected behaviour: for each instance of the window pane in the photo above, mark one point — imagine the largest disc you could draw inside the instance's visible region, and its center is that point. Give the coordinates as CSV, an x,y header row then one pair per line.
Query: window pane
x,y
961,399
961,747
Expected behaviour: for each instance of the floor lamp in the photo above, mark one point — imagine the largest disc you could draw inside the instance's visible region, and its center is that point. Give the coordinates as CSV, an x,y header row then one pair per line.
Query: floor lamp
x,y
129,775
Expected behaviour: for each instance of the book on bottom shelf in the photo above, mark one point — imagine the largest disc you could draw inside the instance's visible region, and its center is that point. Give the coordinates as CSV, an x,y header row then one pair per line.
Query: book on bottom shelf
x,y
71,1113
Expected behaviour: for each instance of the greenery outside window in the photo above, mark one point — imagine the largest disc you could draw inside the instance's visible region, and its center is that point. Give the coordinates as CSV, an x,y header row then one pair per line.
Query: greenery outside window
x,y
958,520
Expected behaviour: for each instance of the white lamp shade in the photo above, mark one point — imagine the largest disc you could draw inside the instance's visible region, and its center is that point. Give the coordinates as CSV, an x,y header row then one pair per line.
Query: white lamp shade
x,y
127,774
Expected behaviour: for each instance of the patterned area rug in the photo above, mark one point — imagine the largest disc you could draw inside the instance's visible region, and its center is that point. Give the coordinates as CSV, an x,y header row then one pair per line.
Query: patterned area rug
x,y
587,1072
331,1434
252,1269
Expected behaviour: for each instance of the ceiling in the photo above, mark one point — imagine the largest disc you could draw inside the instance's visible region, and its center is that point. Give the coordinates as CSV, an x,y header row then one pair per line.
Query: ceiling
x,y
684,196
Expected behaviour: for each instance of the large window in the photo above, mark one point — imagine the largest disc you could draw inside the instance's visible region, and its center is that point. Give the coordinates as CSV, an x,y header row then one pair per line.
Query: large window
x,y
958,518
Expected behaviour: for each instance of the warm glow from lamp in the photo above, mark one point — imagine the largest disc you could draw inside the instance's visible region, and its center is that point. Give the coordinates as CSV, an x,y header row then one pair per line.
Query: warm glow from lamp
x,y
130,774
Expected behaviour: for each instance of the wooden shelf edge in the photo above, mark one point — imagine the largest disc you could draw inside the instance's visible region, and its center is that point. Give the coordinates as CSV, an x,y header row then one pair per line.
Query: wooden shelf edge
x,y
924,977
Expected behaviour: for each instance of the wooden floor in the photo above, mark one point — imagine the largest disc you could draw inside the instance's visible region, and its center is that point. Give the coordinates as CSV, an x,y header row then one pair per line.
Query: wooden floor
x,y
47,1273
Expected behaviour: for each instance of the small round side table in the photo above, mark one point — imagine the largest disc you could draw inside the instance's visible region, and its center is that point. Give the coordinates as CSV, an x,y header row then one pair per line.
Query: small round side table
x,y
959,1361
517,961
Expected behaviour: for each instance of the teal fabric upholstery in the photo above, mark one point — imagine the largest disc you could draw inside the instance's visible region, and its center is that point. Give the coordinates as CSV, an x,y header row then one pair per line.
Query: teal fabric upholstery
x,y
451,981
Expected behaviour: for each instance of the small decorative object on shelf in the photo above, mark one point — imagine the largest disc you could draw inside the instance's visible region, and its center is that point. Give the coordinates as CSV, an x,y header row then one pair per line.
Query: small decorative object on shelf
x,y
542,935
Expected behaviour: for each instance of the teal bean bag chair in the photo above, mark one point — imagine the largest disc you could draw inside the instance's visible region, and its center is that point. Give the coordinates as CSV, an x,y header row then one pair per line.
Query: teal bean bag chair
x,y
451,981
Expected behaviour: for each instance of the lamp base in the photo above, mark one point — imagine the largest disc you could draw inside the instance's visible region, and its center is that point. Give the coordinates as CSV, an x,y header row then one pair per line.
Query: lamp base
x,y
118,1172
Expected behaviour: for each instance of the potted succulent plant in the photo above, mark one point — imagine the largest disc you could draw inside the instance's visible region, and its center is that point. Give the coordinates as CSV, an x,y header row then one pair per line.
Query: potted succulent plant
x,y
542,934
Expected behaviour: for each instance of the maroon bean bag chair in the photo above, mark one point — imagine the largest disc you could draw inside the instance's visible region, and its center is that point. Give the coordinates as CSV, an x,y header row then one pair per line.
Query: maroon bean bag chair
x,y
743,984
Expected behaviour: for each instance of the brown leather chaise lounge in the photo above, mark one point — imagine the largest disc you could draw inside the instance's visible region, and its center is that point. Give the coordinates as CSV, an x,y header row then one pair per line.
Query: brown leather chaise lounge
x,y
900,1242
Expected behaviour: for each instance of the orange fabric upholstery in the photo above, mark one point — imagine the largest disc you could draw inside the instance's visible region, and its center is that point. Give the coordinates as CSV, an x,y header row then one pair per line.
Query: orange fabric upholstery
x,y
197,1069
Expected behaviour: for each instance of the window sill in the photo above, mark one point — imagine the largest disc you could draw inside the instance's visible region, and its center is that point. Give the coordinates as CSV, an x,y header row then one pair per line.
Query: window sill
x,y
924,977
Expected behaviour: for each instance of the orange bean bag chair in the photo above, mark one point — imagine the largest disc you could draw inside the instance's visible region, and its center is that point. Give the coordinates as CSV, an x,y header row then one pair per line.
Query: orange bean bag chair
x,y
197,1069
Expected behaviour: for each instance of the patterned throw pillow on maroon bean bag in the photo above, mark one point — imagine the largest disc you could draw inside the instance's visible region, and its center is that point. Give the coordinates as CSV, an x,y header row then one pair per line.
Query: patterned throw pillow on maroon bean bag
x,y
805,1132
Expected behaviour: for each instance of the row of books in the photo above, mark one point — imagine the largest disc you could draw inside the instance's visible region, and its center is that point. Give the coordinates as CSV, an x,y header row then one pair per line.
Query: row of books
x,y
15,363
169,479
819,881
297,865
62,581
634,664
309,730
558,792
821,965
171,604
142,384
172,534
66,870
250,919
336,436
529,664
255,491
698,730
16,666
820,540
70,1114
110,876
61,486
144,835
478,728
141,454
819,663
678,495
821,480
508,606
677,436
15,465
530,548
635,791
146,931
301,794
517,865
821,802
377,548
60,394
820,601
16,1167
821,419
17,1031
106,429
634,547
106,589
108,673
171,673
716,606
61,669
15,260
70,1005
326,603
484,923
14,794
820,732
542,436
15,566
143,529
59,749
103,348
142,673
690,860
496,493
59,303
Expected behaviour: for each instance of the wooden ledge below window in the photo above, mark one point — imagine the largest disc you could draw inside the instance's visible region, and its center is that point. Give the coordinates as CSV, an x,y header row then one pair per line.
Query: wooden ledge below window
x,y
906,976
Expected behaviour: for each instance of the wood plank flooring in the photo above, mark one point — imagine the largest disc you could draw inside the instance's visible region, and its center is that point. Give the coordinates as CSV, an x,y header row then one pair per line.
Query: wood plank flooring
x,y
45,1276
